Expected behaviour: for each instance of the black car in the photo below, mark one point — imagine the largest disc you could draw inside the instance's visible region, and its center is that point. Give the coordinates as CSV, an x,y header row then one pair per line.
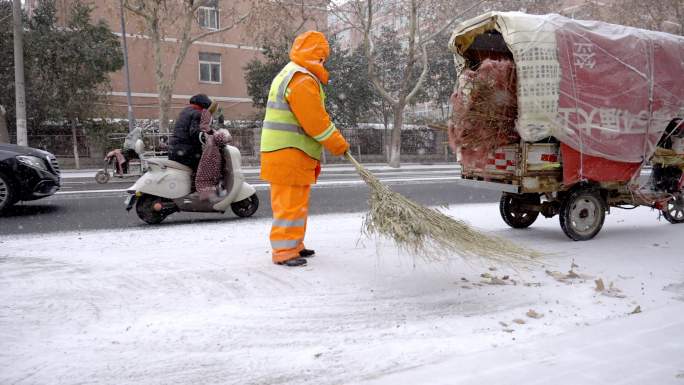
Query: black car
x,y
26,174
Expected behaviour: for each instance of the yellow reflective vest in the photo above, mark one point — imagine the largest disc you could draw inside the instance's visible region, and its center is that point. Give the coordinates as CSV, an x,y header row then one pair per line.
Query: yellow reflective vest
x,y
281,129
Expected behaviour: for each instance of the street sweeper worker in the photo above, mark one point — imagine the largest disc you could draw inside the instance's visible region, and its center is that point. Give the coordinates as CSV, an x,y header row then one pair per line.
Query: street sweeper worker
x,y
295,130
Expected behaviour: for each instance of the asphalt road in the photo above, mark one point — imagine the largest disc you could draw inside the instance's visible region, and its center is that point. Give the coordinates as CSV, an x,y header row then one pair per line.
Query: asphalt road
x,y
80,207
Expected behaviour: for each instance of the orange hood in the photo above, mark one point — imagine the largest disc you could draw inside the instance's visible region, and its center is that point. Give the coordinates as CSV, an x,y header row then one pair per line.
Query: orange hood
x,y
310,50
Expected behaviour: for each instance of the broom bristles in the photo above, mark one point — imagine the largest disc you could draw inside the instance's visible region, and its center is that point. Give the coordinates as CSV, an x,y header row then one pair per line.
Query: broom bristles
x,y
430,234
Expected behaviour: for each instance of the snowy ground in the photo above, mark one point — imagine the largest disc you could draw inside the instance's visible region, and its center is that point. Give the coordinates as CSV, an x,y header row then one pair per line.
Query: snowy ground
x,y
202,304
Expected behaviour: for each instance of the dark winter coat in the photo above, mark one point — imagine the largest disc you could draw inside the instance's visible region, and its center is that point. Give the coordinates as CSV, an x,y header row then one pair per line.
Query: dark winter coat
x,y
184,145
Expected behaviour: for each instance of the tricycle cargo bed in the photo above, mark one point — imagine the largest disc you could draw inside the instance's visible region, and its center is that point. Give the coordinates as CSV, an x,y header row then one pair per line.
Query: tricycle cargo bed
x,y
505,170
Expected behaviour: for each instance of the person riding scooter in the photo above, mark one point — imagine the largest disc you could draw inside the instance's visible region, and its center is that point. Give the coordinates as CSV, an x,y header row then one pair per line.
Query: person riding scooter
x,y
166,188
185,146
121,157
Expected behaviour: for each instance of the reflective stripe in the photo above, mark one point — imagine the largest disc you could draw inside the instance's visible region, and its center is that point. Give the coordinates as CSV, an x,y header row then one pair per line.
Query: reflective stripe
x,y
326,134
278,106
280,96
286,244
286,223
283,127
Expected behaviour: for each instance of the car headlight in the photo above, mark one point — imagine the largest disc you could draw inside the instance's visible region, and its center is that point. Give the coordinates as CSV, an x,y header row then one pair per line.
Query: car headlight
x,y
32,161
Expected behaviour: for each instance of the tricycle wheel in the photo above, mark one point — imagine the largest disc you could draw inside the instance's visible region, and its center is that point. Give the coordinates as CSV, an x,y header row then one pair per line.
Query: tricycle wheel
x,y
150,209
674,209
514,211
246,207
102,177
582,214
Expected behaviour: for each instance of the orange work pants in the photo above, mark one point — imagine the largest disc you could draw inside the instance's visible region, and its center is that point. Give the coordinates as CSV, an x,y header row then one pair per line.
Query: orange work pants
x,y
290,205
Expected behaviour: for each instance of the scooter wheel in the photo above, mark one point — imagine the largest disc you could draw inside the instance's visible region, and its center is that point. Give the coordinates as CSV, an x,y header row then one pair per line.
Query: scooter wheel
x,y
145,208
102,177
246,207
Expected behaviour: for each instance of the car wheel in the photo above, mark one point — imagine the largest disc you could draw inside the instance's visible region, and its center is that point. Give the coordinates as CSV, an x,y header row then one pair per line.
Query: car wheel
x,y
6,193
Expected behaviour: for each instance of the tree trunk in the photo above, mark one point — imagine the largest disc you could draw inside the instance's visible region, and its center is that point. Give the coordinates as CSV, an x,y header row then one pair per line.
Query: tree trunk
x,y
385,134
4,134
395,145
164,110
19,91
77,163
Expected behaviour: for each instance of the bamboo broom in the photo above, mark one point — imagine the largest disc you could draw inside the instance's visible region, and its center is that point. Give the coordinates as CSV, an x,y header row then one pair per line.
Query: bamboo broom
x,y
430,234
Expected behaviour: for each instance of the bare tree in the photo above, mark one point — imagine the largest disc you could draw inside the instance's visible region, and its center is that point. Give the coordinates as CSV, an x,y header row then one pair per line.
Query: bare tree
x,y
275,23
172,27
419,23
657,15
4,134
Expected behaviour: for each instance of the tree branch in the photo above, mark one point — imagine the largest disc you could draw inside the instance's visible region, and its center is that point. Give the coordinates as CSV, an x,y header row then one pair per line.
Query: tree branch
x,y
451,22
224,29
139,10
421,78
411,60
368,49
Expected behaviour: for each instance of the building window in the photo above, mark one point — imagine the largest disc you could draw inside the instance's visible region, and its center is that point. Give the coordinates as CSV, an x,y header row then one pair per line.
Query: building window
x,y
210,67
208,17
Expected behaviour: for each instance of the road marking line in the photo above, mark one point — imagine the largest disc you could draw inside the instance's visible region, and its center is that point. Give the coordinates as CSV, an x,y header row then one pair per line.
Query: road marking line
x,y
263,185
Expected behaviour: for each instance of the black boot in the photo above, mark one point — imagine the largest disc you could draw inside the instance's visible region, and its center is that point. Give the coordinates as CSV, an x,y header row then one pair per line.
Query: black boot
x,y
293,262
306,253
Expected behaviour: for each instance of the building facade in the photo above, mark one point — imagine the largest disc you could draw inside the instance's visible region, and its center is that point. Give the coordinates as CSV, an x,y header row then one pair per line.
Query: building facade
x,y
214,65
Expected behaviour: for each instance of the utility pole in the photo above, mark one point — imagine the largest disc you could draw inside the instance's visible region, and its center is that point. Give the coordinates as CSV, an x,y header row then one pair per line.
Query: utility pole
x,y
20,94
131,118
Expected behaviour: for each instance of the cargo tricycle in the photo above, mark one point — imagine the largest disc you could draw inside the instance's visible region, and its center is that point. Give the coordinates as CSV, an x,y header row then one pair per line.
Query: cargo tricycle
x,y
597,119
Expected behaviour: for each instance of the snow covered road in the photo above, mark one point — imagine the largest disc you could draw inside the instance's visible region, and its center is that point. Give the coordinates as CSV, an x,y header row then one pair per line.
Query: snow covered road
x,y
203,304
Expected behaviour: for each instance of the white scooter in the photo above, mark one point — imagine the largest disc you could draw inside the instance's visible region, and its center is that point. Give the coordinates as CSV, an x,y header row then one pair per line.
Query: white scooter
x,y
166,188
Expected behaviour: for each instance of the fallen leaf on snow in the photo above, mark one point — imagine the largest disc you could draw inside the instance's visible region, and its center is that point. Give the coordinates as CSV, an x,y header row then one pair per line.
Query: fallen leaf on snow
x,y
636,310
490,279
612,291
572,275
533,314
519,321
599,285
566,277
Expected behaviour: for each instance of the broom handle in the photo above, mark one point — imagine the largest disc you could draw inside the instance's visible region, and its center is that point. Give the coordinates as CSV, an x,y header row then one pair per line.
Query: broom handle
x,y
353,161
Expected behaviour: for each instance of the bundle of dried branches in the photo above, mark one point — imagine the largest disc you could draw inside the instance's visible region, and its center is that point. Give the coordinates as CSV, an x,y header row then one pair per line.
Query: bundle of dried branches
x,y
485,107
430,234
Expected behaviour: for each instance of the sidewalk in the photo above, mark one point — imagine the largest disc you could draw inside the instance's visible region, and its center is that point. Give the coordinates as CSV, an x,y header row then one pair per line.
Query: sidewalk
x,y
90,173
